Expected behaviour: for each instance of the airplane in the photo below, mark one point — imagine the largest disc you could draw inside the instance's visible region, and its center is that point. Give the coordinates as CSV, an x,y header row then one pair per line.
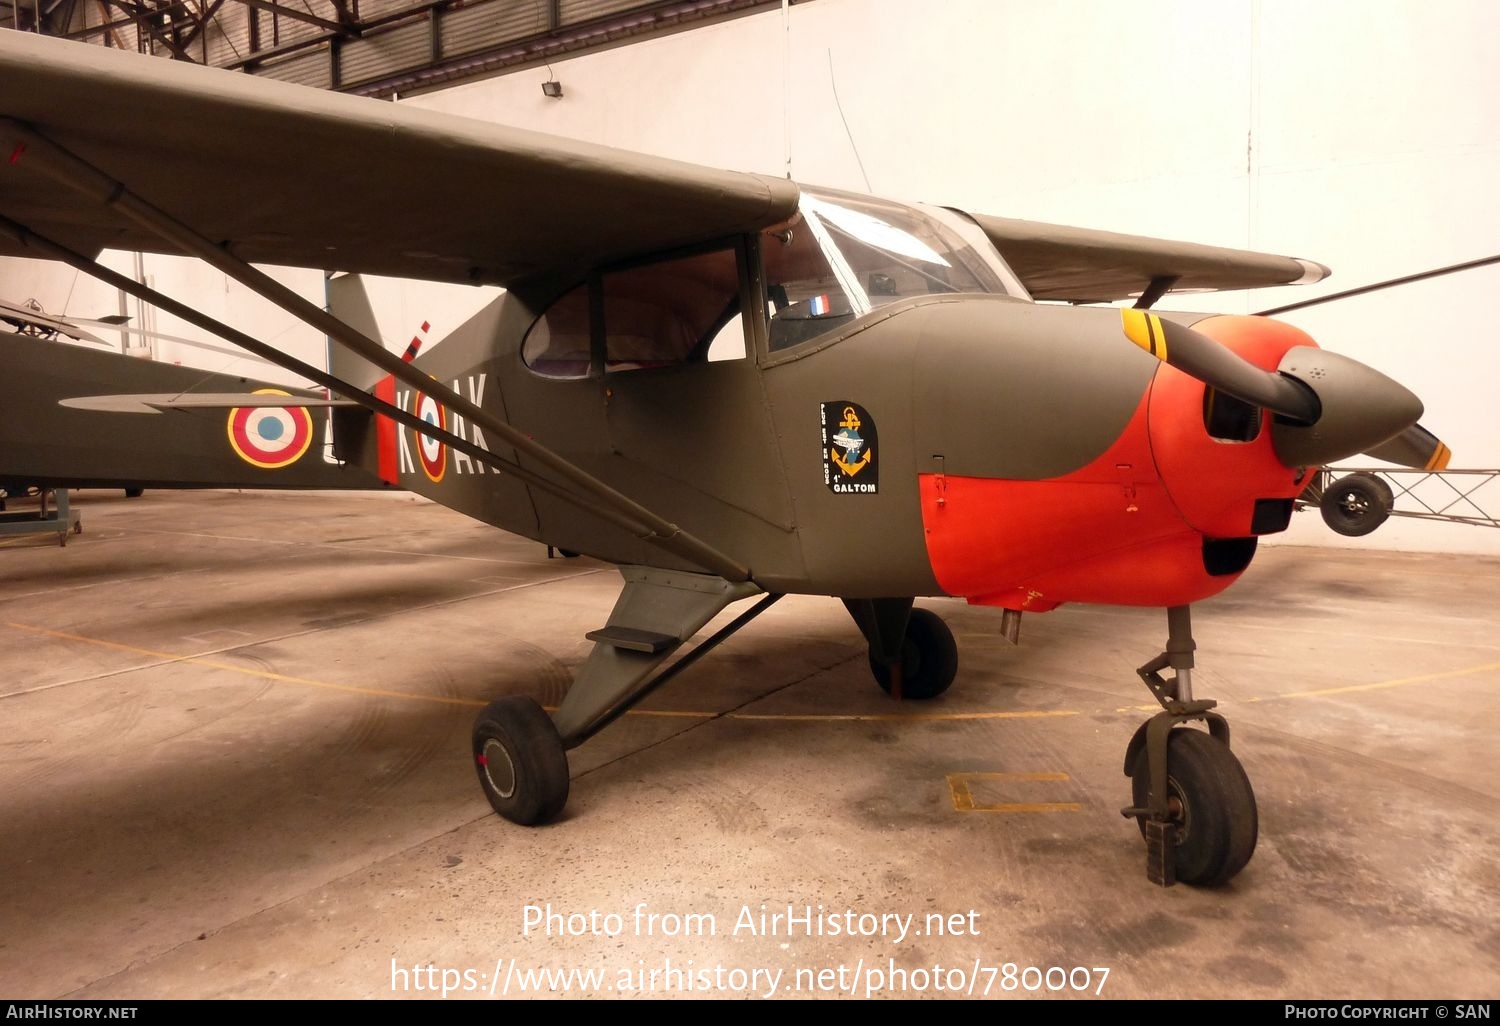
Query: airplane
x,y
263,436
30,319
734,387
260,445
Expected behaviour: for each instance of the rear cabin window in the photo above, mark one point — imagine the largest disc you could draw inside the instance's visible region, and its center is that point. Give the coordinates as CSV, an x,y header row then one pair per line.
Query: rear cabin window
x,y
672,312
662,314
559,344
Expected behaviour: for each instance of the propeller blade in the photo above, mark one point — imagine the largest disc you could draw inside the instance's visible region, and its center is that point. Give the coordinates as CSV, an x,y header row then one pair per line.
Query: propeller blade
x,y
1415,447
1201,357
1329,406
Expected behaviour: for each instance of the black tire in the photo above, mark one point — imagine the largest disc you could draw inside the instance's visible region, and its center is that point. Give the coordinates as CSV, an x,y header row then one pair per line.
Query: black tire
x,y
929,658
1355,505
134,493
1214,807
519,756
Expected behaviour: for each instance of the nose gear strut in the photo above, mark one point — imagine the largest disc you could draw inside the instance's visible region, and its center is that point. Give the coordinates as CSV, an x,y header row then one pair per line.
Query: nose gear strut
x,y
1191,797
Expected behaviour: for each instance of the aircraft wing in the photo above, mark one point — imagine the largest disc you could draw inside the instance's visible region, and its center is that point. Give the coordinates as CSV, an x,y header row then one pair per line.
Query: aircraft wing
x,y
1081,265
288,175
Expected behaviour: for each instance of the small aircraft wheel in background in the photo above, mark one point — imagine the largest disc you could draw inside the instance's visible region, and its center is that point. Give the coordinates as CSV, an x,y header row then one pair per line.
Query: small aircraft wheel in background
x,y
929,658
522,766
134,493
1357,504
1212,805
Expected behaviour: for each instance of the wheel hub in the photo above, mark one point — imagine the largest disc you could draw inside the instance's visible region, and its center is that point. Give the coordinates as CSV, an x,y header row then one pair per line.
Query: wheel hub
x,y
1178,810
499,770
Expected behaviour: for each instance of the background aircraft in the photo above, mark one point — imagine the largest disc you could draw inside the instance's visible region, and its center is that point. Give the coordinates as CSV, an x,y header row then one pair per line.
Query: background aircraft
x,y
31,319
250,441
736,388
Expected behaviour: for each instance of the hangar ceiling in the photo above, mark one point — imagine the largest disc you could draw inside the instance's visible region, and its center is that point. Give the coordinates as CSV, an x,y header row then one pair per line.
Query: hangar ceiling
x,y
370,47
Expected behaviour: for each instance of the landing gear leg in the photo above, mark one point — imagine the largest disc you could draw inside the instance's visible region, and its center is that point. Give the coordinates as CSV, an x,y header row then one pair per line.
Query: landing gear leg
x,y
521,753
1190,794
912,652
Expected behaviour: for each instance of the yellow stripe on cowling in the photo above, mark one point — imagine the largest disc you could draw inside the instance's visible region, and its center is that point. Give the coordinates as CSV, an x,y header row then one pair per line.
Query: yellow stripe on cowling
x,y
1440,457
1144,329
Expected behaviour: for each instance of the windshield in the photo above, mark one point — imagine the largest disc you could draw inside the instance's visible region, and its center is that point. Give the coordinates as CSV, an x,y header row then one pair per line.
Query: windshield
x,y
844,255
884,251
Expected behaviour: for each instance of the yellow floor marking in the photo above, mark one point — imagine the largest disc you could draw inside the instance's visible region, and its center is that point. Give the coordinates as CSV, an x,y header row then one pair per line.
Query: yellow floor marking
x,y
279,678
1380,685
476,703
675,714
963,797
906,717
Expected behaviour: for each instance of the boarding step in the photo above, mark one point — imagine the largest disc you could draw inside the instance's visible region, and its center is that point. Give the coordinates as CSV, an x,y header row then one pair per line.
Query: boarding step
x,y
634,640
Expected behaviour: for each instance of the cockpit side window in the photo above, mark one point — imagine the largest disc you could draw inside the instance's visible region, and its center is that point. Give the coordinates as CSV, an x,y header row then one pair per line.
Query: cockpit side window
x,y
805,298
673,311
655,314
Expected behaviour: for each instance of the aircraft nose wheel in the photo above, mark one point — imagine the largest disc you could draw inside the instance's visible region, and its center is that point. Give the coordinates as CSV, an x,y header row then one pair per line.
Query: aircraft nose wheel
x,y
1210,804
522,766
1191,797
929,659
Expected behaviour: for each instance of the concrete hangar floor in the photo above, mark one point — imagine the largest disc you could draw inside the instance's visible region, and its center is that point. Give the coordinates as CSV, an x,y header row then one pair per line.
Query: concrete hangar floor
x,y
234,763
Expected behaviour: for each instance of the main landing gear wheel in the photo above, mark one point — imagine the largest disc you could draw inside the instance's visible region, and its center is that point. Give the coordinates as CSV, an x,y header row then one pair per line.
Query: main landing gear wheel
x,y
929,658
1211,803
522,766
1355,505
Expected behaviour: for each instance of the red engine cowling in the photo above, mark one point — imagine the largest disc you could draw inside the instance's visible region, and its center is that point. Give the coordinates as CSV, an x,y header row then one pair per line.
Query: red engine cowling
x,y
1167,516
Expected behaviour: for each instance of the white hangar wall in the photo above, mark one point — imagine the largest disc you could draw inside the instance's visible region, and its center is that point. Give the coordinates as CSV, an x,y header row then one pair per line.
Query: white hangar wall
x,y
1364,134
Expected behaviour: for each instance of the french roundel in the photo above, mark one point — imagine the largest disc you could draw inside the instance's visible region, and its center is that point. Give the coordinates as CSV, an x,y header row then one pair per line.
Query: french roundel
x,y
270,437
432,453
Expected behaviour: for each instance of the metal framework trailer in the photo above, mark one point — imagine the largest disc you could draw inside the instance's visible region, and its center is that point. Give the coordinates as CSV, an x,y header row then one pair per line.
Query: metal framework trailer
x,y
1356,500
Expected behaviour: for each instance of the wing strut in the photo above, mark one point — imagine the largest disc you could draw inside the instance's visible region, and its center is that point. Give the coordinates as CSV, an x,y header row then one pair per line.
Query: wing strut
x,y
57,251
71,170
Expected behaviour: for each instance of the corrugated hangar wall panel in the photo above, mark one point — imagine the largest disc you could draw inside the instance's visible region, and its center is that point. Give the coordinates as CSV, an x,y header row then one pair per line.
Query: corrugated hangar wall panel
x,y
483,25
571,12
287,30
386,53
372,9
229,34
309,69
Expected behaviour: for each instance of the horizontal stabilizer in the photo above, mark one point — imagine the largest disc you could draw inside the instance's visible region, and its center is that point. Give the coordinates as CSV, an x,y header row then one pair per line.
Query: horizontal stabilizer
x,y
195,401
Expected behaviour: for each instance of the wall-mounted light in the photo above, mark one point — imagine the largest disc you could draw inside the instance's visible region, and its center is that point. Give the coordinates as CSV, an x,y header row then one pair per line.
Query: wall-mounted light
x,y
552,88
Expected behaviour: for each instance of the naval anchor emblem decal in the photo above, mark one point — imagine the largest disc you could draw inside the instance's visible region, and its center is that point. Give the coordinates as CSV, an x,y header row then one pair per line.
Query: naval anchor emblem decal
x,y
850,449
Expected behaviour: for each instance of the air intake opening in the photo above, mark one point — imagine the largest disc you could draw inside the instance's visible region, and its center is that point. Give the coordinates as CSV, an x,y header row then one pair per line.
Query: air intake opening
x,y
1229,419
1271,516
1225,556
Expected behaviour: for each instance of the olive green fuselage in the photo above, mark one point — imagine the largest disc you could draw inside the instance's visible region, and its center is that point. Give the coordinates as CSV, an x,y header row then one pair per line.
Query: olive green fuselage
x,y
733,451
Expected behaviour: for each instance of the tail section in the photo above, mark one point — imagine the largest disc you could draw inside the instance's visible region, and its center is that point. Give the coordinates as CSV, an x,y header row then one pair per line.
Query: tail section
x,y
360,437
349,301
